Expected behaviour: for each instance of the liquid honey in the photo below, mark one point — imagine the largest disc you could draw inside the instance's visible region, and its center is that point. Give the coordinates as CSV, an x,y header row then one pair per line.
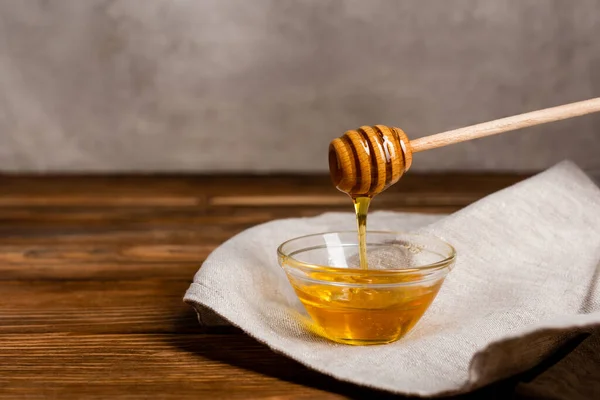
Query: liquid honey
x,y
361,315
361,207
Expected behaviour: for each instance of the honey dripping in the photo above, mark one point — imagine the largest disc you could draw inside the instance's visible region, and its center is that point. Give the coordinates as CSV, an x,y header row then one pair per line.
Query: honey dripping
x,y
365,162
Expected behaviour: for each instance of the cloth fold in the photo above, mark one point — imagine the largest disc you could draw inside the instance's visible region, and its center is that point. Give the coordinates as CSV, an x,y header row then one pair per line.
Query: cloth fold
x,y
525,281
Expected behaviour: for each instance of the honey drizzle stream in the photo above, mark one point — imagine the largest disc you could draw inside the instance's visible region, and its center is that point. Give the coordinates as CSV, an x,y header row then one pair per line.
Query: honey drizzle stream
x,y
361,206
380,154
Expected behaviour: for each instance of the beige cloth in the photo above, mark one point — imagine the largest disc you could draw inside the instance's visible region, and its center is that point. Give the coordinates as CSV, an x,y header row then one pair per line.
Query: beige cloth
x,y
524,282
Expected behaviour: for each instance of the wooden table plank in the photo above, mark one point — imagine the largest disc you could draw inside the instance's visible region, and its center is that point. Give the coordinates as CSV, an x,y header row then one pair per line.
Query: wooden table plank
x,y
182,184
69,254
100,271
54,235
93,306
164,366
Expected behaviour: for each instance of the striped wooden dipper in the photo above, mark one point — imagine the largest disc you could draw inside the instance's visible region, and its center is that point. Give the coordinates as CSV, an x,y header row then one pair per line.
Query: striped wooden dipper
x,y
366,161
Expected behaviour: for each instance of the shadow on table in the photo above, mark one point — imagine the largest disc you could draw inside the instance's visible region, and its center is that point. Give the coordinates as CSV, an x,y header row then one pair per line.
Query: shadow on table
x,y
230,345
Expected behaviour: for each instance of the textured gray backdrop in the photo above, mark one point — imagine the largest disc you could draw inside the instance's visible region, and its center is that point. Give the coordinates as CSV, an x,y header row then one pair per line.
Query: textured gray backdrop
x,y
264,85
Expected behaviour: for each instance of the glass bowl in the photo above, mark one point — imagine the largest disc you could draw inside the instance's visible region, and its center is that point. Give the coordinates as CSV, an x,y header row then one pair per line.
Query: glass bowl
x,y
366,306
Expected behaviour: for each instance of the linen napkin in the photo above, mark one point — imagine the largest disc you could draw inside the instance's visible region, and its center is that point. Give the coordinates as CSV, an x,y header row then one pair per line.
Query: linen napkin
x,y
526,279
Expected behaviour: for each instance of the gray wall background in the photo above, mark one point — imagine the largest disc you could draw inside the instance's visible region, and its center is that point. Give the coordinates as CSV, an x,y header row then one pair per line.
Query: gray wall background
x,y
264,85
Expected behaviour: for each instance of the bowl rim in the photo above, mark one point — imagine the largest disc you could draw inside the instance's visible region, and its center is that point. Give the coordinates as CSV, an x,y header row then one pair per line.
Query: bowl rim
x,y
444,263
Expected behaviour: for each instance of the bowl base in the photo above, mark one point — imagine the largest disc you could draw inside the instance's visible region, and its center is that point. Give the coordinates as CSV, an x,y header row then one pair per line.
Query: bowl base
x,y
360,342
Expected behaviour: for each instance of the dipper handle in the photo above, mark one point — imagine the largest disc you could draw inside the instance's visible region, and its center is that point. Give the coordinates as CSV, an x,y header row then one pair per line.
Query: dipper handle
x,y
506,124
366,161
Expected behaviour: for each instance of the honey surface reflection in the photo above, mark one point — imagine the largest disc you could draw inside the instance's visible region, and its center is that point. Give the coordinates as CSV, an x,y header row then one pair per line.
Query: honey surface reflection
x,y
366,315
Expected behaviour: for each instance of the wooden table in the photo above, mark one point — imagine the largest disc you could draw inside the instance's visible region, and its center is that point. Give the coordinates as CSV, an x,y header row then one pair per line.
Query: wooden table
x,y
93,272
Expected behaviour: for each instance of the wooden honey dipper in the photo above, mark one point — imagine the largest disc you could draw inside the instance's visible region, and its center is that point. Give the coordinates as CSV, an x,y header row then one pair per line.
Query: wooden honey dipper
x,y
366,161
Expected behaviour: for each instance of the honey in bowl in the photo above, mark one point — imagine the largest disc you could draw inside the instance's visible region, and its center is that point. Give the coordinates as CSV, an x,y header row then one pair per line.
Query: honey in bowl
x,y
357,315
351,305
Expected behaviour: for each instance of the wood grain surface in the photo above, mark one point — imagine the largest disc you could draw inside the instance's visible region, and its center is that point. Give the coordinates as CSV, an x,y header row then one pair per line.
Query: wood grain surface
x,y
93,272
